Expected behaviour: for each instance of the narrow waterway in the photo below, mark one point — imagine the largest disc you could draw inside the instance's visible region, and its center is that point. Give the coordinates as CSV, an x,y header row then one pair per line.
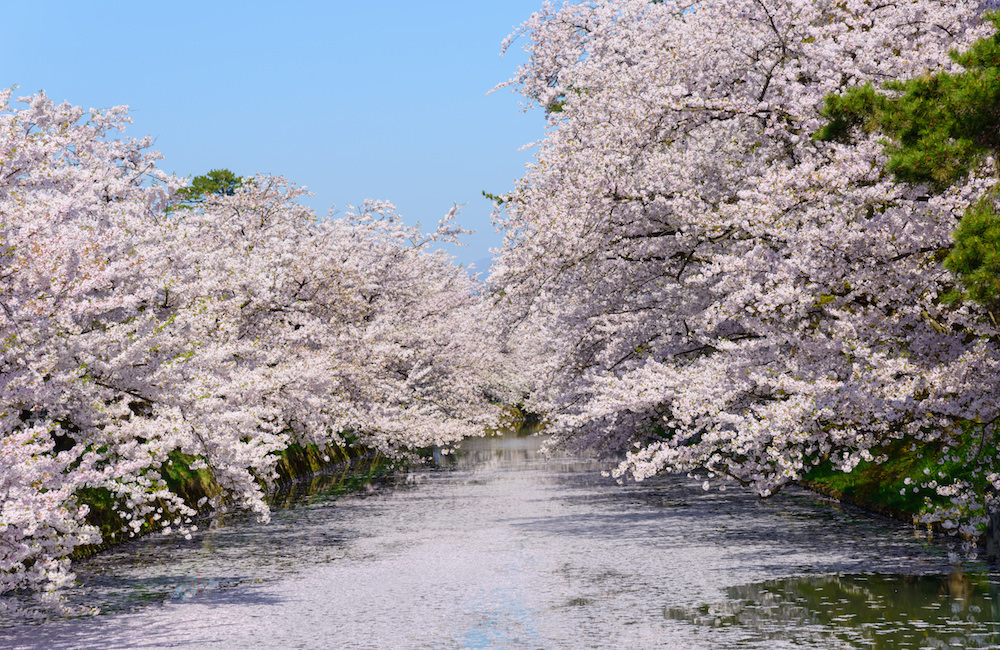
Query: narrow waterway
x,y
501,548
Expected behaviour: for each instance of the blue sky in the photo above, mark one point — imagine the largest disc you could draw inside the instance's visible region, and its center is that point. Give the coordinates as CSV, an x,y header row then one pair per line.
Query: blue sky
x,y
355,100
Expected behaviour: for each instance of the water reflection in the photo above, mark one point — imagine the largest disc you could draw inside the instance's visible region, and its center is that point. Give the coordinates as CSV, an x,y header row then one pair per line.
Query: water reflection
x,y
227,551
512,452
495,545
872,611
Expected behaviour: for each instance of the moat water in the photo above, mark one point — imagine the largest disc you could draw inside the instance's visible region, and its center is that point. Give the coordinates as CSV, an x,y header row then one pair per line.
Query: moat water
x,y
500,547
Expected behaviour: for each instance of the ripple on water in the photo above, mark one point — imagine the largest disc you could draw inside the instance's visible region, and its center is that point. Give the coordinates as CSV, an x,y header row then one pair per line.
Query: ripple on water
x,y
499,547
869,610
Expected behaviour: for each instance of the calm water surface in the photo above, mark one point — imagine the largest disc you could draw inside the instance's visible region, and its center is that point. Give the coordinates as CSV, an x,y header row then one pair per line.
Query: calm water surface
x,y
501,548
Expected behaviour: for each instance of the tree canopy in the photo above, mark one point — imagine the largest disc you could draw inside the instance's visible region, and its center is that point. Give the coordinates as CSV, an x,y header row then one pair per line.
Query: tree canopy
x,y
712,289
138,332
689,280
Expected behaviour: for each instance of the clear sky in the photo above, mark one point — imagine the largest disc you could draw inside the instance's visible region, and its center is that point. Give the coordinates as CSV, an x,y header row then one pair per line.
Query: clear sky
x,y
355,100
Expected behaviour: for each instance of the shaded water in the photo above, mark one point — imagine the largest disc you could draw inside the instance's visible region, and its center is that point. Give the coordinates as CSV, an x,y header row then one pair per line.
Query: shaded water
x,y
501,548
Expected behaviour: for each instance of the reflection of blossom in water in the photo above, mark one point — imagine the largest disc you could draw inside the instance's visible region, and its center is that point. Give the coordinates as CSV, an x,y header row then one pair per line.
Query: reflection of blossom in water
x,y
192,589
504,546
881,611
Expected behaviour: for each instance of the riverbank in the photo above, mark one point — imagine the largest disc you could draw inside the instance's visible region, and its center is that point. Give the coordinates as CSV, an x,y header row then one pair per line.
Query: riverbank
x,y
899,487
505,546
903,483
345,468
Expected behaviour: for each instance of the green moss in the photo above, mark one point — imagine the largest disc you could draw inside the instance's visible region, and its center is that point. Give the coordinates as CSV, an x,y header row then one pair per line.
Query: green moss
x,y
902,485
346,478
194,485
298,460
191,485
103,515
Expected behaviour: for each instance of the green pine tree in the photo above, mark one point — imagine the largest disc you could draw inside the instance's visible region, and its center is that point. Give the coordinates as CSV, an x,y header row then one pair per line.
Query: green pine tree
x,y
221,182
939,128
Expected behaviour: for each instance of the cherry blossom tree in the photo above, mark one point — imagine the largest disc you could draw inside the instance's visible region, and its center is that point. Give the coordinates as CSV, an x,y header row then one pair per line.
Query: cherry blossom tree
x,y
140,331
438,375
721,291
74,202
